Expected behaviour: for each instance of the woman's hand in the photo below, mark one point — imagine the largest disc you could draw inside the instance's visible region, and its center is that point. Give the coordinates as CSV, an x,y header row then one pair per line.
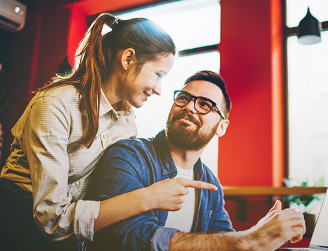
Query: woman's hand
x,y
169,194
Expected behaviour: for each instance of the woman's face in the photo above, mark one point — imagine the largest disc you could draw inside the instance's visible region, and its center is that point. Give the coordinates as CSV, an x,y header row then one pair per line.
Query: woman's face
x,y
148,81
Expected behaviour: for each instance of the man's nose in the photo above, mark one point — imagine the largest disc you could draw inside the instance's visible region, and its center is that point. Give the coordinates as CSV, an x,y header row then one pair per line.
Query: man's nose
x,y
190,106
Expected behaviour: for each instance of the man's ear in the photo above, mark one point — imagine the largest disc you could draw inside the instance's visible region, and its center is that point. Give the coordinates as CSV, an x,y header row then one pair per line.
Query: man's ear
x,y
128,56
222,128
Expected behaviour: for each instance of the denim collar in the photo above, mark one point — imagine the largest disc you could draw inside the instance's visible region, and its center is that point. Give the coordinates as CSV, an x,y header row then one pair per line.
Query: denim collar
x,y
167,164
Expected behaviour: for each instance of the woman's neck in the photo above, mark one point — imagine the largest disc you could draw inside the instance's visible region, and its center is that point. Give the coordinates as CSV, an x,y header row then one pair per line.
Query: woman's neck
x,y
118,106
112,91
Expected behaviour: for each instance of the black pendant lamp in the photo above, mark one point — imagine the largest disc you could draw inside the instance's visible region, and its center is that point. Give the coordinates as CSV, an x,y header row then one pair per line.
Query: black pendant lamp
x,y
309,30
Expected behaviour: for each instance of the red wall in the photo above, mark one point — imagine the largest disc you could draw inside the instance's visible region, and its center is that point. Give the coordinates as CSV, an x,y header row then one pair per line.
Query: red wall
x,y
250,152
52,45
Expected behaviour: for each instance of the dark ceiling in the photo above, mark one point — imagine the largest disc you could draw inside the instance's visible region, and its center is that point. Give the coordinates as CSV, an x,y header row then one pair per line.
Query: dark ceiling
x,y
32,3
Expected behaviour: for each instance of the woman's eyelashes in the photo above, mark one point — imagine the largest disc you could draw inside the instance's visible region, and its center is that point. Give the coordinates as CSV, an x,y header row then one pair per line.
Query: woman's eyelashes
x,y
160,75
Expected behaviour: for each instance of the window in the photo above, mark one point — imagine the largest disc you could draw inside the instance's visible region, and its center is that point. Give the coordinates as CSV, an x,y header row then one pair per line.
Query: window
x,y
195,28
307,95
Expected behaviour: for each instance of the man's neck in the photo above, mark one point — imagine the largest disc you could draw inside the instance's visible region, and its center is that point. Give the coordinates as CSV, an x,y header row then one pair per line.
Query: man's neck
x,y
185,159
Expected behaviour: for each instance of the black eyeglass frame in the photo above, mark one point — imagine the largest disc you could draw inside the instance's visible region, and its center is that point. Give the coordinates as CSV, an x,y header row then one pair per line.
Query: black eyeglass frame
x,y
195,99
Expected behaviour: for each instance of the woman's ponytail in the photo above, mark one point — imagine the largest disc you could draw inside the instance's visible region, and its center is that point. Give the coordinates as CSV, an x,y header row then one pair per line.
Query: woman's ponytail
x,y
92,56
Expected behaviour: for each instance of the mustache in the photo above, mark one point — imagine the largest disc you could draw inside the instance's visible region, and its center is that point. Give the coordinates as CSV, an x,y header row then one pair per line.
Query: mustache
x,y
189,116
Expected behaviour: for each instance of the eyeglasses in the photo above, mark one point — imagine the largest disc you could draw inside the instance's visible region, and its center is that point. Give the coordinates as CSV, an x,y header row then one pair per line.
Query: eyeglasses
x,y
202,105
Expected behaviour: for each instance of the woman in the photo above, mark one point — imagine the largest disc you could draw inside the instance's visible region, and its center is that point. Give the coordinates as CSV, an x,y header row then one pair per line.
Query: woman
x,y
69,123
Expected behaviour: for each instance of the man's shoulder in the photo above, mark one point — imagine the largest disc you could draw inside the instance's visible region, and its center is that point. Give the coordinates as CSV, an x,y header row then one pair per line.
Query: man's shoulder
x,y
133,145
124,155
134,142
140,144
148,151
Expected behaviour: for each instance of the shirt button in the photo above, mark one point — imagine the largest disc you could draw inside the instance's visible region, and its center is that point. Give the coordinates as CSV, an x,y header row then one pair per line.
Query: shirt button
x,y
77,183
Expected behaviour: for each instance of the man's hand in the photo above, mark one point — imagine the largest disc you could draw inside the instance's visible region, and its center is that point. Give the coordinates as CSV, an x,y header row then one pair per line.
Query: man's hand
x,y
169,194
277,227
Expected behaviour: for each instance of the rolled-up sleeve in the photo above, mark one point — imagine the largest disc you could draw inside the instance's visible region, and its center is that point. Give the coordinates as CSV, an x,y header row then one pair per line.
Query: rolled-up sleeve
x,y
161,238
85,215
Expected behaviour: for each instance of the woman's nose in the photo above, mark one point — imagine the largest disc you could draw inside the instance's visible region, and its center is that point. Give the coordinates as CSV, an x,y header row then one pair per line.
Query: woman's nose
x,y
158,90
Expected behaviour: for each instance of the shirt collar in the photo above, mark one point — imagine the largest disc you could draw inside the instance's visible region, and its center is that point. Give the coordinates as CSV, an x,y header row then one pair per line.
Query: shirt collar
x,y
105,106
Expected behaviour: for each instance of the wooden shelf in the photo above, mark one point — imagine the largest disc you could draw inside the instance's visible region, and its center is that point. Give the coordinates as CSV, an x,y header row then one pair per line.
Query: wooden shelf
x,y
272,191
238,195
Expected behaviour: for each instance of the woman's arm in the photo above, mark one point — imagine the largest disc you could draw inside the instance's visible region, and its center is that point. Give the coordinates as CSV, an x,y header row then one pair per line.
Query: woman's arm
x,y
47,127
166,195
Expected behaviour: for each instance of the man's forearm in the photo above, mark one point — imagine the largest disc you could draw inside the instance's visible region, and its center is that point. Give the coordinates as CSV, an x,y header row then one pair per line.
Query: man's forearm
x,y
273,230
242,240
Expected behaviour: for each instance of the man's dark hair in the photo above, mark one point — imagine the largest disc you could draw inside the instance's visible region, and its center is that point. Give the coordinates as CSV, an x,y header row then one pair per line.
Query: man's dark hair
x,y
216,79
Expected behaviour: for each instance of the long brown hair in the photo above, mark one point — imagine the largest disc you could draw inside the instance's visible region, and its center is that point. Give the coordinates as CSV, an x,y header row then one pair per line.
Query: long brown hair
x,y
98,56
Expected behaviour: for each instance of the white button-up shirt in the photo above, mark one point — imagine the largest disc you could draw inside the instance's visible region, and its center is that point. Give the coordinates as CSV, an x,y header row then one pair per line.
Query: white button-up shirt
x,y
47,160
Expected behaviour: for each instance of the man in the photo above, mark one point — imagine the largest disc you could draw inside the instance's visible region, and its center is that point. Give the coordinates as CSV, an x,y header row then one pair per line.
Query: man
x,y
200,111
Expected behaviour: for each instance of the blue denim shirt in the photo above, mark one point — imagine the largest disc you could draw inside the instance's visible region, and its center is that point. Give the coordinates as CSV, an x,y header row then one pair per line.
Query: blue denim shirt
x,y
135,163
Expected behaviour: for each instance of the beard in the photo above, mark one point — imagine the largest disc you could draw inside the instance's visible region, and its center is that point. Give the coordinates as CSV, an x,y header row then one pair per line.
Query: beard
x,y
180,135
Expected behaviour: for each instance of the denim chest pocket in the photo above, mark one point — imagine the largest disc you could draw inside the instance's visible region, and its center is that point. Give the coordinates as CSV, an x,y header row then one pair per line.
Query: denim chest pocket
x,y
206,217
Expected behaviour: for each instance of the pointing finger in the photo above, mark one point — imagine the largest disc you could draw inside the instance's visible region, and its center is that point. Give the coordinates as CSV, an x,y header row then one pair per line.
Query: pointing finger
x,y
198,184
